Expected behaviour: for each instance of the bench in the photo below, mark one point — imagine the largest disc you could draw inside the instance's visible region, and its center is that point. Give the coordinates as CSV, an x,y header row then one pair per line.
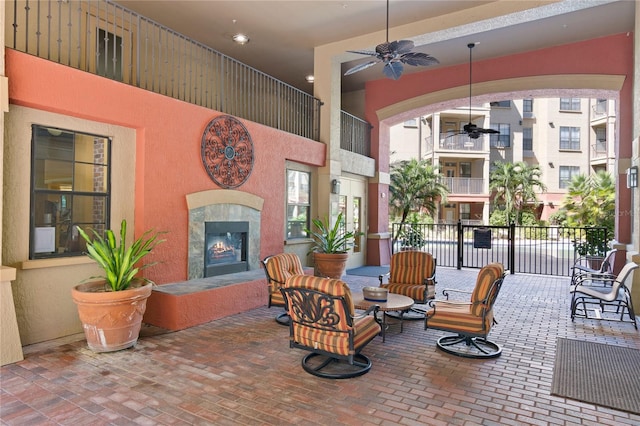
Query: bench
x,y
185,304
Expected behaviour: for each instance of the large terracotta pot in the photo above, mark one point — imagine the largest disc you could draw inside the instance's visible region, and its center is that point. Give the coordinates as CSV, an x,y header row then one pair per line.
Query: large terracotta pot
x,y
330,265
111,319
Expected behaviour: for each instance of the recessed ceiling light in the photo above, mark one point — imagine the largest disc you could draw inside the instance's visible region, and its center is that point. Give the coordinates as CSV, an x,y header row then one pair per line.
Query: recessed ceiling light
x,y
310,78
241,38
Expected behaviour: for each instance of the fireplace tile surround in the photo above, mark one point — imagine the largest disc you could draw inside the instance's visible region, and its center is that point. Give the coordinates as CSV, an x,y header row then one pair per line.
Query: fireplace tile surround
x,y
221,206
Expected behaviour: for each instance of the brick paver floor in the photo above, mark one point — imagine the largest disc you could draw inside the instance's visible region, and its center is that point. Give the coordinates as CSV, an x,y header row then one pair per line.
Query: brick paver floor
x,y
239,370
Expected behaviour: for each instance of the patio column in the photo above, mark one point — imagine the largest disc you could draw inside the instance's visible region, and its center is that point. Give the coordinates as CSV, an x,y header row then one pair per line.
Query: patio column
x,y
11,348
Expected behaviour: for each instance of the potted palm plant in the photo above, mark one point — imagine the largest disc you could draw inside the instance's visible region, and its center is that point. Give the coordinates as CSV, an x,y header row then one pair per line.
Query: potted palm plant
x,y
111,308
330,246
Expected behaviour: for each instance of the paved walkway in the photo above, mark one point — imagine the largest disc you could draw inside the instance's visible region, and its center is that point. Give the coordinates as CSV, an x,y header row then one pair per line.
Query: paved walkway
x,y
240,370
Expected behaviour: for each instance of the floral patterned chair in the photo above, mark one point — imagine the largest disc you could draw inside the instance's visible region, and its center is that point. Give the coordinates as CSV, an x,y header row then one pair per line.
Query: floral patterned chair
x,y
278,268
323,321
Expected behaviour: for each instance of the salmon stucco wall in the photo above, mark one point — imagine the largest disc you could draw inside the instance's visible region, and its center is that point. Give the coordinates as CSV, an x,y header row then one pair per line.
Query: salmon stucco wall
x,y
168,166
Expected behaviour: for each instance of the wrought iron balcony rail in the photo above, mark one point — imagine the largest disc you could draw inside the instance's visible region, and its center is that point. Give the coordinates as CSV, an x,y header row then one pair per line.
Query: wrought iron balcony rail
x,y
355,134
106,39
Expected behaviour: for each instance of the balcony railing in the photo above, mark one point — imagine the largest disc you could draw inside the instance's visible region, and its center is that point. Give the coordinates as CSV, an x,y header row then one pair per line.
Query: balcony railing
x,y
448,142
464,185
355,134
106,39
599,149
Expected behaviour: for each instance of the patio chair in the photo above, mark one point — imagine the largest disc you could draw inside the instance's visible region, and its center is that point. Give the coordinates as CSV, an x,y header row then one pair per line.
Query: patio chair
x,y
413,274
471,321
590,266
278,268
586,297
323,321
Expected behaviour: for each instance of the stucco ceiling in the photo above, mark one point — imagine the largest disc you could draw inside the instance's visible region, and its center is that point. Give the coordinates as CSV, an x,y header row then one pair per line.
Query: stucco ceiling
x,y
284,33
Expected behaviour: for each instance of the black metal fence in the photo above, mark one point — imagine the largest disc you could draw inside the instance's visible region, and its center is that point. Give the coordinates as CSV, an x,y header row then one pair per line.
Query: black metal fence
x,y
545,250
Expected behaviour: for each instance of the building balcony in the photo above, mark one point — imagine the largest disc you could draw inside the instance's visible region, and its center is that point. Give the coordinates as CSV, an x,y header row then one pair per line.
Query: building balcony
x,y
464,185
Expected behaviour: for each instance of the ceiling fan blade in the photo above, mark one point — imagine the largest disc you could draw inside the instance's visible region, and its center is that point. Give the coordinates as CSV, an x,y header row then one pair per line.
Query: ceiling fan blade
x,y
418,59
361,67
491,131
363,52
393,69
401,46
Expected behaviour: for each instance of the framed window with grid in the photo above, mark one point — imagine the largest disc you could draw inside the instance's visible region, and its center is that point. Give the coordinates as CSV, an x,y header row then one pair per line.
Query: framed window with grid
x,y
570,138
70,187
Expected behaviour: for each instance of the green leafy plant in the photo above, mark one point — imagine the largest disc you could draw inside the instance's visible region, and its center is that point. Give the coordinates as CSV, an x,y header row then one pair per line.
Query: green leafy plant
x,y
330,239
594,244
117,261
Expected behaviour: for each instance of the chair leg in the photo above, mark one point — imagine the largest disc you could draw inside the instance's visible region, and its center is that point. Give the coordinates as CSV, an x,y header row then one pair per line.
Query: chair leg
x,y
336,368
283,319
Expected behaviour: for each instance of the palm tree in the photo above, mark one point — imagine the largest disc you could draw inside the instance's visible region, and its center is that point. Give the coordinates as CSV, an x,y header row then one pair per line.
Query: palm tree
x,y
415,186
591,200
515,186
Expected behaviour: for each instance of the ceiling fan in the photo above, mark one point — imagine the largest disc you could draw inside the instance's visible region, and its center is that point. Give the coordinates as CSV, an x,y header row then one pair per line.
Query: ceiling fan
x,y
471,129
394,55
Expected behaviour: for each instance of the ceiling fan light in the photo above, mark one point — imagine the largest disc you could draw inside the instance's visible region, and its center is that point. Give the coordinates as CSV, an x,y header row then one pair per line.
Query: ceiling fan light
x,y
241,38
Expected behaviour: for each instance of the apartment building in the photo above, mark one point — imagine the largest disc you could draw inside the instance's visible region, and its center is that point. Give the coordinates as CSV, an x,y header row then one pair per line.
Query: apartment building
x,y
564,136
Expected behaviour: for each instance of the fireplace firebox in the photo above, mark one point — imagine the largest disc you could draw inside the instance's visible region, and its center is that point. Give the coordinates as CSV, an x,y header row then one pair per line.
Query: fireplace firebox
x,y
225,250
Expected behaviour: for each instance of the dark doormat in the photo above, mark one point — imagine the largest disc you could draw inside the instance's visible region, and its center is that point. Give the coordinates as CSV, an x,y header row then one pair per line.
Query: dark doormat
x,y
599,374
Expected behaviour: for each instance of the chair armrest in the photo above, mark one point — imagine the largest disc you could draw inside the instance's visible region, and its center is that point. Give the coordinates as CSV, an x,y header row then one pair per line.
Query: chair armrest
x,y
594,279
381,277
446,291
372,308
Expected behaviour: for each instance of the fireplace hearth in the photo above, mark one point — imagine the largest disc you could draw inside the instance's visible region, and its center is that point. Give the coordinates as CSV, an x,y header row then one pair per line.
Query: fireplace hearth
x,y
226,247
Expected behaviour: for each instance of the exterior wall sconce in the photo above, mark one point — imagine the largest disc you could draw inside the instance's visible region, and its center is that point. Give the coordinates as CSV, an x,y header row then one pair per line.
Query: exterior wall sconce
x,y
632,177
335,186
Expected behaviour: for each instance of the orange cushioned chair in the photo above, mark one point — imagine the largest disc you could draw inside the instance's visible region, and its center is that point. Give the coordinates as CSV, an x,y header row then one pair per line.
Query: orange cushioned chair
x,y
323,321
471,321
412,274
278,268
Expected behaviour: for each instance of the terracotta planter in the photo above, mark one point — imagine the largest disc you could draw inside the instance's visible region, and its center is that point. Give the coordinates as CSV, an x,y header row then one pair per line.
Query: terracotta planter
x,y
330,265
111,319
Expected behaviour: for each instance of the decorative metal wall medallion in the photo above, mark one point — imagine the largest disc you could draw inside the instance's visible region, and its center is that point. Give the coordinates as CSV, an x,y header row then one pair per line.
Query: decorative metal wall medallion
x,y
227,151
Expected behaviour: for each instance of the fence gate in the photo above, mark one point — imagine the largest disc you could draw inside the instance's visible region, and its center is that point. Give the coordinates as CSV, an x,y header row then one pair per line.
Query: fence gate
x,y
544,250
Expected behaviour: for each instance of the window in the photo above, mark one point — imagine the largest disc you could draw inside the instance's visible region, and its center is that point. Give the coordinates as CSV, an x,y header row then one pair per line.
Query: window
x,y
527,139
501,104
411,123
465,169
527,105
570,138
109,61
70,175
601,139
601,106
566,174
502,140
298,196
570,104
465,211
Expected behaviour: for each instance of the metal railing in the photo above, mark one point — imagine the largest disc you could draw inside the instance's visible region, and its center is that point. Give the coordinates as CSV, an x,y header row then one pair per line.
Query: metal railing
x,y
106,39
545,250
464,185
355,134
448,142
599,149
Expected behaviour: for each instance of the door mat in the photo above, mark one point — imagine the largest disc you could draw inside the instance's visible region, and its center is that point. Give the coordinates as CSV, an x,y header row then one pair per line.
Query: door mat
x,y
599,374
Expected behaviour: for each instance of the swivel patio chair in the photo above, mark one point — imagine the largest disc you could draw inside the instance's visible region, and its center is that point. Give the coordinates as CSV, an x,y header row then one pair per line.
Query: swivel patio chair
x,y
471,321
323,321
616,294
278,268
413,274
584,267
